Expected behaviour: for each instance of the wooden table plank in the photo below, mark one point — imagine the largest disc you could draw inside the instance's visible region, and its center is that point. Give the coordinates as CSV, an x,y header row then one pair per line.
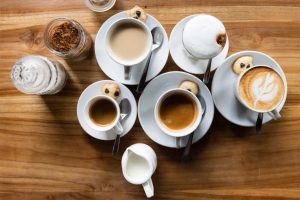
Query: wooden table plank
x,y
44,153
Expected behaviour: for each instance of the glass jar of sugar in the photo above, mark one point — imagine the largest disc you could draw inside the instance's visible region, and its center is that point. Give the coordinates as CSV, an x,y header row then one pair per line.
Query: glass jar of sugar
x,y
38,75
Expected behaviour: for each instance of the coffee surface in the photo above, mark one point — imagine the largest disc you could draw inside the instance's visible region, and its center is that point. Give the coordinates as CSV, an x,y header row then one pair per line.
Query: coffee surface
x,y
103,112
261,88
129,41
178,111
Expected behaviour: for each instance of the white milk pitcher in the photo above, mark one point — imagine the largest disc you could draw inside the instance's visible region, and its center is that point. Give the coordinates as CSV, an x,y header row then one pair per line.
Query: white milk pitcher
x,y
138,164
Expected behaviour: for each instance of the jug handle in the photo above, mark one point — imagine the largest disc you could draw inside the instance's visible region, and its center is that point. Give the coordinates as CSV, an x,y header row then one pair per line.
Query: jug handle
x,y
149,188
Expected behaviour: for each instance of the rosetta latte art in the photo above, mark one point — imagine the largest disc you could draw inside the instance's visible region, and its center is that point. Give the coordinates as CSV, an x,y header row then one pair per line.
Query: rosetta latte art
x,y
261,88
264,88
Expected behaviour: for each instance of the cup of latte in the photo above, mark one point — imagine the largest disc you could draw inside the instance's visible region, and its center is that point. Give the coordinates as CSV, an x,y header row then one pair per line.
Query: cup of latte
x,y
128,42
178,113
261,89
102,114
204,36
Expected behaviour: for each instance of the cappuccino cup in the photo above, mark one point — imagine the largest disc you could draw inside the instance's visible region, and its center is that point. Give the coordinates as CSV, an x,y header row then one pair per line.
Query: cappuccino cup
x,y
128,42
178,113
261,89
102,113
204,37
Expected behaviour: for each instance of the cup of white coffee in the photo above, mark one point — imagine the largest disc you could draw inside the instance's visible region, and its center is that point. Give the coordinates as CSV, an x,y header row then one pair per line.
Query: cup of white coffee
x,y
128,41
261,89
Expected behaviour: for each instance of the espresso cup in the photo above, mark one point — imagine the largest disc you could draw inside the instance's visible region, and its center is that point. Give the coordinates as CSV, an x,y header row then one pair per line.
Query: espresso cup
x,y
268,89
180,101
120,25
114,124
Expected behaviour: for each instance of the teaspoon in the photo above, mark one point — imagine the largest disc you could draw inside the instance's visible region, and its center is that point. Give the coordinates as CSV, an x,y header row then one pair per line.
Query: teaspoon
x,y
187,148
125,109
158,37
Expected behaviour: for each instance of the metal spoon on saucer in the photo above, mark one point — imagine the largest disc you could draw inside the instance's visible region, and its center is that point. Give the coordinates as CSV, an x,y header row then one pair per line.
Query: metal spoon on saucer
x,y
158,38
125,109
259,121
207,72
187,148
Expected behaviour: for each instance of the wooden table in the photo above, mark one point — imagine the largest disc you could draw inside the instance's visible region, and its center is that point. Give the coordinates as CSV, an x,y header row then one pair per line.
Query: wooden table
x,y
44,153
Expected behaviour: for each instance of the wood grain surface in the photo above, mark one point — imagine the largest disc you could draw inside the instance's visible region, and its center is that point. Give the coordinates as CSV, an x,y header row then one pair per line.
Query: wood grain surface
x,y
44,153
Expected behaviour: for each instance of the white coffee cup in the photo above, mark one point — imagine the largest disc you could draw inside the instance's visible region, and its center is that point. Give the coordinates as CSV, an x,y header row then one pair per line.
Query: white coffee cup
x,y
118,59
183,132
114,127
190,38
138,165
273,112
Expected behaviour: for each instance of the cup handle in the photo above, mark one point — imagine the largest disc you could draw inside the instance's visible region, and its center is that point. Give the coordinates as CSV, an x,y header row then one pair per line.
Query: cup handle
x,y
127,72
274,114
148,188
178,142
118,129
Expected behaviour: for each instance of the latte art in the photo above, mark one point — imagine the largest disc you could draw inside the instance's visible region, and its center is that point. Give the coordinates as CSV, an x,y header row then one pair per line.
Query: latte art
x,y
264,89
261,88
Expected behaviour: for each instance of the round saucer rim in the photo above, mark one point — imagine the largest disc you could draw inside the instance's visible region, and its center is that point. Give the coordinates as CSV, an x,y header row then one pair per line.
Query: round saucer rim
x,y
166,38
176,62
206,88
246,52
83,124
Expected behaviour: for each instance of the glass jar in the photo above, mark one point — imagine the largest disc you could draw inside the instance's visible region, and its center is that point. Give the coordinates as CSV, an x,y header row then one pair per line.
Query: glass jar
x,y
67,38
38,75
100,5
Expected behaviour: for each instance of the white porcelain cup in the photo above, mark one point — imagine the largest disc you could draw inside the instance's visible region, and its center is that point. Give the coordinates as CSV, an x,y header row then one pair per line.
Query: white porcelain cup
x,y
273,112
138,165
114,127
117,59
207,34
179,134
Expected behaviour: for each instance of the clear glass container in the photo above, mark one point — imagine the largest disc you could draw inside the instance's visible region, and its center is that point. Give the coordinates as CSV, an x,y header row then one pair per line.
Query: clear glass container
x,y
100,5
77,51
38,75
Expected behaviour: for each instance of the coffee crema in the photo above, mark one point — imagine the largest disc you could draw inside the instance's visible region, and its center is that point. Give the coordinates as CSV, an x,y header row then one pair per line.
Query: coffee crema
x,y
129,41
103,112
261,88
178,111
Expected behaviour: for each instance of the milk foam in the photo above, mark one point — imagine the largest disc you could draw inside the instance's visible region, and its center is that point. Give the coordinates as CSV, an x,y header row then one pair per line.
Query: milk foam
x,y
199,36
261,88
264,88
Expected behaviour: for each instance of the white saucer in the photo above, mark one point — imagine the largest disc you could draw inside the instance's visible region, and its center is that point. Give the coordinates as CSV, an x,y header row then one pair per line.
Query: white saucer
x,y
95,89
114,70
185,62
151,94
223,89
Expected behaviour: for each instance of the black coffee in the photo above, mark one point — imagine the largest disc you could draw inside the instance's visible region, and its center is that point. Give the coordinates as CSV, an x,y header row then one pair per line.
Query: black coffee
x,y
103,112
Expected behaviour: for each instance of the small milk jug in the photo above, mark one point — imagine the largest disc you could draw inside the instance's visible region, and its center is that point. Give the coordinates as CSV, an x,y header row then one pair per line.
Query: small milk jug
x,y
138,164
